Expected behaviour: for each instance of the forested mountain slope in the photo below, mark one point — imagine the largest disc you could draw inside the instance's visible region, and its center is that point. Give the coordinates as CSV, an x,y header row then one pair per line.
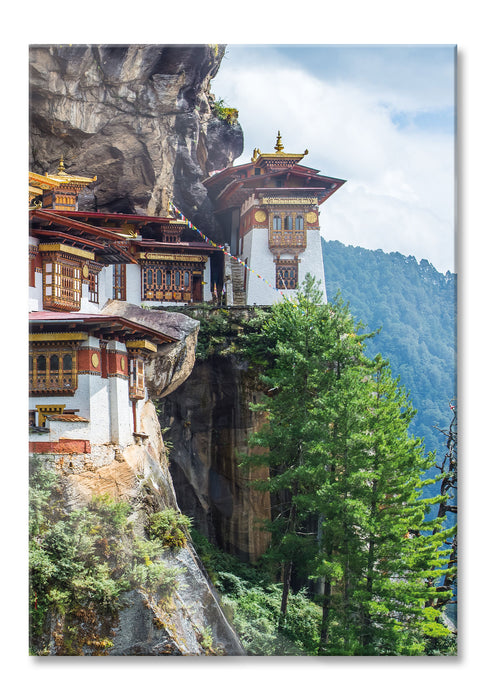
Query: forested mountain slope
x,y
415,307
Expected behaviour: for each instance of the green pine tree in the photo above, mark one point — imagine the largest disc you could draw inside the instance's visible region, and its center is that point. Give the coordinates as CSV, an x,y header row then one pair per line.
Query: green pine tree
x,y
345,479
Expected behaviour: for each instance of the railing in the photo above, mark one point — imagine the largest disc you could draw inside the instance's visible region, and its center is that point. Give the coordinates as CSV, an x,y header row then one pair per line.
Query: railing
x,y
53,382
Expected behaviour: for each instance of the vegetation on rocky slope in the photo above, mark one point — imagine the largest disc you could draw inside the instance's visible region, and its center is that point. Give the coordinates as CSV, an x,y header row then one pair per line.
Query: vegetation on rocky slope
x,y
80,564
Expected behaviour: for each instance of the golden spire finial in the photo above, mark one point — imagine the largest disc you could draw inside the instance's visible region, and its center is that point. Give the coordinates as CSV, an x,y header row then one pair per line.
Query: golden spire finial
x,y
60,170
278,146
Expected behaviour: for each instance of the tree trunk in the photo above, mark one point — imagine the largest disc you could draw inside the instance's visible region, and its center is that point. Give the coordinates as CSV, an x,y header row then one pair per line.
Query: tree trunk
x,y
326,609
287,573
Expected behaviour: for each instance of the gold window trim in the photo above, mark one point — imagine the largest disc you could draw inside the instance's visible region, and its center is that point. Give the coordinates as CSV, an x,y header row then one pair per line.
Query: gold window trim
x,y
141,345
160,281
53,381
50,410
68,249
61,283
287,238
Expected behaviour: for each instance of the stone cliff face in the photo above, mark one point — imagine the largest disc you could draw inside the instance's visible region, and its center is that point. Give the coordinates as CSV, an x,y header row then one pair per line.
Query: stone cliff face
x,y
209,422
139,474
138,117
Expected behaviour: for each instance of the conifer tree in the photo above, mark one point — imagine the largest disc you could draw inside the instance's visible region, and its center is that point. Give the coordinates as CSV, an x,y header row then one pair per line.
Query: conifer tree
x,y
339,456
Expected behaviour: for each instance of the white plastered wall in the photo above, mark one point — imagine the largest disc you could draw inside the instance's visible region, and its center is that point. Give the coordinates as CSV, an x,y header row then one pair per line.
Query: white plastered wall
x,y
120,409
261,261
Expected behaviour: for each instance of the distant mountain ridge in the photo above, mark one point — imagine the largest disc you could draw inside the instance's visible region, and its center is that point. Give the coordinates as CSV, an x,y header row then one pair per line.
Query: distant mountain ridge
x,y
415,307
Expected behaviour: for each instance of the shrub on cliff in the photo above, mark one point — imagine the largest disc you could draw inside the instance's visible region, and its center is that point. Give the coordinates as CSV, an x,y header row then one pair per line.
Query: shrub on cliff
x,y
169,527
80,564
251,601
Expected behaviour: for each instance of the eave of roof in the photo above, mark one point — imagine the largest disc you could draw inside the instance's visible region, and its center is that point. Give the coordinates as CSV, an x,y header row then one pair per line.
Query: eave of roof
x,y
135,218
78,319
66,220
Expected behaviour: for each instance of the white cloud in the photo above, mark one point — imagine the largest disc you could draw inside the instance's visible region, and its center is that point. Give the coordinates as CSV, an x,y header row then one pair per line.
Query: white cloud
x,y
399,193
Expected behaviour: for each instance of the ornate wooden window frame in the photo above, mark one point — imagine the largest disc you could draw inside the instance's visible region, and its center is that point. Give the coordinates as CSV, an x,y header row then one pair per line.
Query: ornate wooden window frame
x,y
286,274
292,231
61,282
120,281
47,376
162,281
136,386
138,350
93,281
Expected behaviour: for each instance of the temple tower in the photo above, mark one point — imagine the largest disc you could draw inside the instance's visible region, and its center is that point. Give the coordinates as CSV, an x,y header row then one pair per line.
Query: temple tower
x,y
269,210
57,190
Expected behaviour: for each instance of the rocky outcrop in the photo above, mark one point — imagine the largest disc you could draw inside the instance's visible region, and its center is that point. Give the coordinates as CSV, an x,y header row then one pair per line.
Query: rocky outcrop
x,y
139,117
209,422
173,363
191,624
191,621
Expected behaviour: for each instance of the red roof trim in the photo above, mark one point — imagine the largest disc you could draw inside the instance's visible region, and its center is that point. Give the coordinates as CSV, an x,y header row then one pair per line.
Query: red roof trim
x,y
121,217
49,215
60,234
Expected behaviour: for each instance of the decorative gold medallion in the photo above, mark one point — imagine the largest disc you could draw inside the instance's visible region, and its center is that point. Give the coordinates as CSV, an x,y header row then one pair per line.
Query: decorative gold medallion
x,y
122,363
85,271
95,360
311,217
260,216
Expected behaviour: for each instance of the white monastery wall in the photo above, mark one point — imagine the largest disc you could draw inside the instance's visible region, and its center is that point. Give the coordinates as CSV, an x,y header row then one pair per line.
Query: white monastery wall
x,y
35,294
87,306
120,408
134,291
99,409
312,262
105,286
120,411
260,259
61,429
69,431
207,281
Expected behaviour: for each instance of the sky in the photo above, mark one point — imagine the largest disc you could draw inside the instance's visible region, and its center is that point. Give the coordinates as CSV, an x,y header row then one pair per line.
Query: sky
x,y
381,117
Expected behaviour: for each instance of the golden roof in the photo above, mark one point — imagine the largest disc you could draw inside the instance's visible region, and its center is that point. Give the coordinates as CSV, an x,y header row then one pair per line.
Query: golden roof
x,y
50,181
279,153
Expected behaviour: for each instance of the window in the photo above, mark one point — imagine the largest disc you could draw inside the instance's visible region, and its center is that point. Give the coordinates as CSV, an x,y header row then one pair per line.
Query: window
x,y
293,234
119,282
62,284
286,274
163,283
93,287
44,411
52,370
137,379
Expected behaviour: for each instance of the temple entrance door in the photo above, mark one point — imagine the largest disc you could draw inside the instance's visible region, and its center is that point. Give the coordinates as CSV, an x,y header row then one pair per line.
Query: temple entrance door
x,y
197,288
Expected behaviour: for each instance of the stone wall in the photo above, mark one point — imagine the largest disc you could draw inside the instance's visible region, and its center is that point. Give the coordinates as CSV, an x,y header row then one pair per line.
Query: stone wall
x,y
209,421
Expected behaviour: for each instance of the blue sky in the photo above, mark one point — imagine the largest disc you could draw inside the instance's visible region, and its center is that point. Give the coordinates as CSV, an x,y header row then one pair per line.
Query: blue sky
x,y
382,117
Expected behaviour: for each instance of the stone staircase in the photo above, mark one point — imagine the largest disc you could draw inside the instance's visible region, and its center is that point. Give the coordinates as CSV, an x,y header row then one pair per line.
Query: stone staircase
x,y
238,279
